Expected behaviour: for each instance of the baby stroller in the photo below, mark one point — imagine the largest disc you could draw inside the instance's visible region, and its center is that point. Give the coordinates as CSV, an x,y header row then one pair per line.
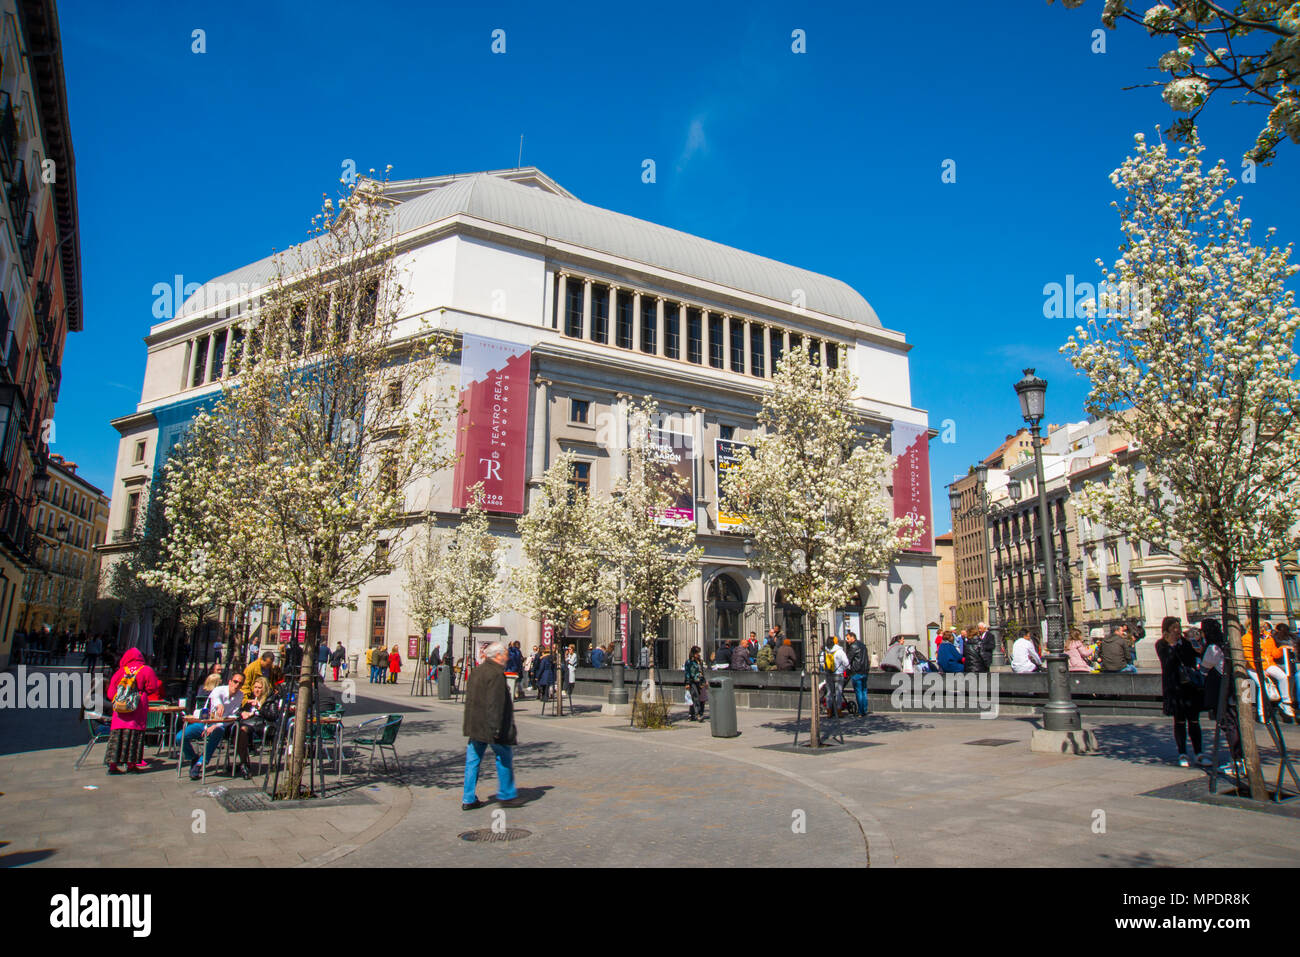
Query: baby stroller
x,y
848,700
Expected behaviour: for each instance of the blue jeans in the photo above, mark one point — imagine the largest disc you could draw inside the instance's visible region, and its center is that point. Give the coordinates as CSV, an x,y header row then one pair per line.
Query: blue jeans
x,y
860,689
193,731
505,754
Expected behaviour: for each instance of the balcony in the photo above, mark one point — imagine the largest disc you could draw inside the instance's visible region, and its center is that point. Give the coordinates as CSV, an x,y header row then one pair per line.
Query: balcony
x,y
28,243
18,192
16,530
54,375
13,358
8,134
41,303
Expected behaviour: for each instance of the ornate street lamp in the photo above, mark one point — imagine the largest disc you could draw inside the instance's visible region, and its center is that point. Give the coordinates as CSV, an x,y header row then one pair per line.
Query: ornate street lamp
x,y
1060,715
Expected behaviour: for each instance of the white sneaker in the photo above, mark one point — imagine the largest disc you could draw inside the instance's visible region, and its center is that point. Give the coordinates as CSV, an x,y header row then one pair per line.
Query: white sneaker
x,y
1287,710
1203,760
1184,761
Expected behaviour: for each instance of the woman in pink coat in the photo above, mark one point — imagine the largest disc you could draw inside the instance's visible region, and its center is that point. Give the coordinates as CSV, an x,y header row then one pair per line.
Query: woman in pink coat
x,y
126,733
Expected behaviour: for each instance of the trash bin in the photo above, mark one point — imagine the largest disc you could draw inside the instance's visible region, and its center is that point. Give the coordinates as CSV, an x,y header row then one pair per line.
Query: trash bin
x,y
512,682
722,708
352,666
444,683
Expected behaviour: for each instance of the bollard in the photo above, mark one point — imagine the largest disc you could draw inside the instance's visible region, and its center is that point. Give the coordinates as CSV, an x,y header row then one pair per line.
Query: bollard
x,y
722,708
444,683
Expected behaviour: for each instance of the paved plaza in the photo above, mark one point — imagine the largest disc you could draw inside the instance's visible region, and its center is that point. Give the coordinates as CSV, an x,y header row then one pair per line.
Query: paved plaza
x,y
904,790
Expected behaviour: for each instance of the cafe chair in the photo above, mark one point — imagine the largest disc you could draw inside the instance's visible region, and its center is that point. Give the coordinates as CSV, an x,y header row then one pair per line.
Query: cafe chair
x,y
380,737
98,727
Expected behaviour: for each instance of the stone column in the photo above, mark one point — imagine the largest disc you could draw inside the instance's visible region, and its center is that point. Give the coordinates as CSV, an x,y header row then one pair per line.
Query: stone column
x,y
541,418
611,316
561,318
618,442
636,322
697,468
682,347
747,345
661,326
704,336
727,329
586,309
185,370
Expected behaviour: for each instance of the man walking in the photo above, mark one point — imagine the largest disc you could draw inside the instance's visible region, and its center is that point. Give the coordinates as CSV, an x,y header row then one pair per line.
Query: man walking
x,y
490,720
859,670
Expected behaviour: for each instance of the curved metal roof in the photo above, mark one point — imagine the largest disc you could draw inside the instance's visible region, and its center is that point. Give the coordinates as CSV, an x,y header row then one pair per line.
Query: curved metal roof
x,y
497,200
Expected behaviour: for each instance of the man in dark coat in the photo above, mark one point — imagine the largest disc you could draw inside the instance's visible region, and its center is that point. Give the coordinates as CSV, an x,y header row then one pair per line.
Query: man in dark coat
x,y
785,656
490,720
859,670
740,657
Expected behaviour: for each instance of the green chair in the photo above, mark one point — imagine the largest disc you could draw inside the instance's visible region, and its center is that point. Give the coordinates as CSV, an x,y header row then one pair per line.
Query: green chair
x,y
378,738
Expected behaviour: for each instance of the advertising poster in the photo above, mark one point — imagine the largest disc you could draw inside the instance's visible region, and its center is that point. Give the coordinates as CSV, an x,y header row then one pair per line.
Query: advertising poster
x,y
678,449
911,444
579,625
727,455
492,428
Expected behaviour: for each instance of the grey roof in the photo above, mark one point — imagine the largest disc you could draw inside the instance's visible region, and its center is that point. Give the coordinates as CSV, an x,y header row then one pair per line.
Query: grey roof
x,y
566,219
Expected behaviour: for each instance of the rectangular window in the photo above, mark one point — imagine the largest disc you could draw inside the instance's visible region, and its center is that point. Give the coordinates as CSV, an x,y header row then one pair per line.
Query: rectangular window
x,y
579,411
599,313
649,323
394,396
381,553
814,352
777,338
236,349
832,355
726,432
139,452
573,309
672,330
378,623
737,345
581,480
715,340
219,356
200,363
694,336
796,343
756,350
624,329
368,308
132,512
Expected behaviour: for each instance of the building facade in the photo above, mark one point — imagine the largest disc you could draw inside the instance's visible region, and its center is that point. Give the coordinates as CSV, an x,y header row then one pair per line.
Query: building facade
x,y
943,550
40,280
608,309
63,582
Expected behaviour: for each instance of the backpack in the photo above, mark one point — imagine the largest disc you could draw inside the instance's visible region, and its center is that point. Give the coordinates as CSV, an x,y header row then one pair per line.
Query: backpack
x,y
830,662
127,698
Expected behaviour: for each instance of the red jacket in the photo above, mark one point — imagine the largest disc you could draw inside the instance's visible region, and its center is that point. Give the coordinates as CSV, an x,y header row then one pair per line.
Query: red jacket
x,y
395,662
146,682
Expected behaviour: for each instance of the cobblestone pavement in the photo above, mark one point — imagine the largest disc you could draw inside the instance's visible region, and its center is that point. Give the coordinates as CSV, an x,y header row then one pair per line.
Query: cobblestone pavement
x,y
905,790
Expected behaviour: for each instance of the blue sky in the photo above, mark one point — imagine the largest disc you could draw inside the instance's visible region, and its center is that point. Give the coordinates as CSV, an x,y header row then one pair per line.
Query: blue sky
x,y
194,164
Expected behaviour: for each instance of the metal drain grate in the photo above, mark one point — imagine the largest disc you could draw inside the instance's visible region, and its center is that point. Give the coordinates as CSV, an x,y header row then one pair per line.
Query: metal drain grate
x,y
992,742
485,835
254,799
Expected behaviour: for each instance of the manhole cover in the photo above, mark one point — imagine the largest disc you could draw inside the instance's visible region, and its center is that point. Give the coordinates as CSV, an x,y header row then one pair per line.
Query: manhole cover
x,y
485,835
992,742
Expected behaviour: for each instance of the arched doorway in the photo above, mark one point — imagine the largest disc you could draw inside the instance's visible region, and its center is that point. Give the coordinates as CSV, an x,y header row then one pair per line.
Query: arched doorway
x,y
724,610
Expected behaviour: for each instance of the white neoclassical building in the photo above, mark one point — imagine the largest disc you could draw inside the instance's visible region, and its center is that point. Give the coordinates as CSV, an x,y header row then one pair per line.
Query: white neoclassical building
x,y
605,308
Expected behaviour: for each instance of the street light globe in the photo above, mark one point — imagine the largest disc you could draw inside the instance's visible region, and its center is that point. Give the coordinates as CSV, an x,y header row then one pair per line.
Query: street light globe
x,y
1033,397
954,499
982,474
1013,489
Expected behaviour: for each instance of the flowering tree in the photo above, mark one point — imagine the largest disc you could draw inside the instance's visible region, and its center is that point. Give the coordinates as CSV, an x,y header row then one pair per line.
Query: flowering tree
x,y
1250,47
212,554
333,425
454,575
651,559
1204,376
562,536
813,492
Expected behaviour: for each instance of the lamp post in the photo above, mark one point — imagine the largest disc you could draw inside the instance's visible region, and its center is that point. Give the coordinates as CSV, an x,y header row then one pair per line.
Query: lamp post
x,y
1060,715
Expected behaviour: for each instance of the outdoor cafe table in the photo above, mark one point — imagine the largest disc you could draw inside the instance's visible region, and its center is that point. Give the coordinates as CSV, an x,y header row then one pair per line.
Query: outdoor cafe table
x,y
172,713
190,719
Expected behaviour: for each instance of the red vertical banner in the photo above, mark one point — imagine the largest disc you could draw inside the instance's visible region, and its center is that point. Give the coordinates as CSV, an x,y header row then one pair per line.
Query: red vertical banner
x,y
623,628
548,634
492,428
911,444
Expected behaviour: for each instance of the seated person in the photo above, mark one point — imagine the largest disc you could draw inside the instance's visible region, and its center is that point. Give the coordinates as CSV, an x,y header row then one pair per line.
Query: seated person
x,y
223,702
258,667
786,659
255,718
950,659
1114,652
1024,655
893,660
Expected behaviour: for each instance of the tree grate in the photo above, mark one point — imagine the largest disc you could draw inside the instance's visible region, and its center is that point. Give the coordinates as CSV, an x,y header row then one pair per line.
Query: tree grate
x,y
254,799
991,742
486,835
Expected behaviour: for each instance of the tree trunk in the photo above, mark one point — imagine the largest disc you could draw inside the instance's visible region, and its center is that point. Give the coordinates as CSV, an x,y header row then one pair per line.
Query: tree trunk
x,y
1245,715
814,660
302,712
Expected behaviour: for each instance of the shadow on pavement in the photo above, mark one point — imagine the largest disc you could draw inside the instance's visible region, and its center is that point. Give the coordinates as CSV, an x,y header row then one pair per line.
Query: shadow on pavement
x,y
20,858
850,727
446,768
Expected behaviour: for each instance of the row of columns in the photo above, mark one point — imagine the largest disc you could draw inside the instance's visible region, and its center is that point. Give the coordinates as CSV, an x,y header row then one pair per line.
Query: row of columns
x,y
212,339
746,328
